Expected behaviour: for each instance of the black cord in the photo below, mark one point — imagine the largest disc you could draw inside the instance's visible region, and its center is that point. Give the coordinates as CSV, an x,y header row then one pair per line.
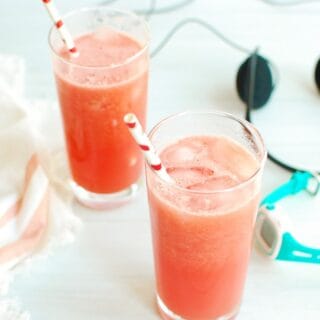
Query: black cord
x,y
108,2
202,23
167,9
152,8
288,3
249,105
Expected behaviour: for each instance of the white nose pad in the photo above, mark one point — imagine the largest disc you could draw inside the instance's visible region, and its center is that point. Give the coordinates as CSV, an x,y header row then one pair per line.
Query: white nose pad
x,y
277,221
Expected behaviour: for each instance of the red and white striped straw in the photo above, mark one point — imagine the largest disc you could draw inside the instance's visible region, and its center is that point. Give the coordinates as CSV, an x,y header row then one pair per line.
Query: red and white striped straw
x,y
63,31
145,145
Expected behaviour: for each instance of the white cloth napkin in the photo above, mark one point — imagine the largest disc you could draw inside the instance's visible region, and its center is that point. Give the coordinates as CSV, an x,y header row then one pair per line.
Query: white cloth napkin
x,y
35,201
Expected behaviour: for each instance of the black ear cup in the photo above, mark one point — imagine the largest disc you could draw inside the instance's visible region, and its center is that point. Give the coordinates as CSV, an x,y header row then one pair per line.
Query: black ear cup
x,y
317,75
263,81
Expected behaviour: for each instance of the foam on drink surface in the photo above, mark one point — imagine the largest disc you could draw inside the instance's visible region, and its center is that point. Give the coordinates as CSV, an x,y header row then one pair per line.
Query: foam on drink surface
x,y
104,47
206,164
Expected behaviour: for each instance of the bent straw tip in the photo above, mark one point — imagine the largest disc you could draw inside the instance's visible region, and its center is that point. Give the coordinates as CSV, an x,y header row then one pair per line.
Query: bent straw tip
x,y
130,120
129,117
74,52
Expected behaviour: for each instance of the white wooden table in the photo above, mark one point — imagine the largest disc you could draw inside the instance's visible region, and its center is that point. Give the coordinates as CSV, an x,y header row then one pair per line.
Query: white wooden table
x,y
108,272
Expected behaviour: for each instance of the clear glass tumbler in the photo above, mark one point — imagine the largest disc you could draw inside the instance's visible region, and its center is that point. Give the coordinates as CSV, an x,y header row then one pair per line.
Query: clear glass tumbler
x,y
95,90
202,232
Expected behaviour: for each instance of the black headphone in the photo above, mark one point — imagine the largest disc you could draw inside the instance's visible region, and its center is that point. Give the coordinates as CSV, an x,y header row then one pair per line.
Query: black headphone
x,y
255,83
264,80
256,77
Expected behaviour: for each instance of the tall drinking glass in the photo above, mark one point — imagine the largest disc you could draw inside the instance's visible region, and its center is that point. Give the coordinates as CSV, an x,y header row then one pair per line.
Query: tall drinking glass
x,y
202,225
95,90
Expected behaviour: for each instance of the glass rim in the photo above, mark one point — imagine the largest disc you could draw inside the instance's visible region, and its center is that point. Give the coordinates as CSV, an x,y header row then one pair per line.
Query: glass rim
x,y
246,124
130,59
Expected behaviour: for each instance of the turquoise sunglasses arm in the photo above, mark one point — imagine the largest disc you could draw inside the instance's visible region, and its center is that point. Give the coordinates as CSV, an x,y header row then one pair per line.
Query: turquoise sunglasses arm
x,y
297,183
292,250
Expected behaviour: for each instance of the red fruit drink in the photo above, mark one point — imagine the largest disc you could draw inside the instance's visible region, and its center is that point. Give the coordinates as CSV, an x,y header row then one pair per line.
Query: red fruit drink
x,y
202,227
96,89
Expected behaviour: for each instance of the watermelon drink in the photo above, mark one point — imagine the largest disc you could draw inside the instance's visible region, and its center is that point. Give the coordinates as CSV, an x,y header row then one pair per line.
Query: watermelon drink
x,y
95,90
202,226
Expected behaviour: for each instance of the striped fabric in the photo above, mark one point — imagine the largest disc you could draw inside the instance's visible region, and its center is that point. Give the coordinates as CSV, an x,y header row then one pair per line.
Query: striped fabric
x,y
23,217
35,200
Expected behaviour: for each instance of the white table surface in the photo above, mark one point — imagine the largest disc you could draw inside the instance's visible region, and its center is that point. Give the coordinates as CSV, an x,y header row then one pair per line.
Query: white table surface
x,y
108,272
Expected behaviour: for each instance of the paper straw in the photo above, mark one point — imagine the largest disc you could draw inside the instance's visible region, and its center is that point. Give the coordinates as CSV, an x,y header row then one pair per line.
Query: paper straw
x,y
145,145
62,29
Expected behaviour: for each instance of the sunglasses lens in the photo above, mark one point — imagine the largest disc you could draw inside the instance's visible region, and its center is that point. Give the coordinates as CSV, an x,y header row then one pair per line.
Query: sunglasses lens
x,y
268,233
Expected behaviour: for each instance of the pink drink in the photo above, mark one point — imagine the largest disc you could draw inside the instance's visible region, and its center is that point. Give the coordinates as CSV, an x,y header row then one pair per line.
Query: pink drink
x,y
96,89
93,109
202,228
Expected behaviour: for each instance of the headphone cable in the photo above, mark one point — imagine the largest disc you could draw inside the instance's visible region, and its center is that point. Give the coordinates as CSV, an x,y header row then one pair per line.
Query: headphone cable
x,y
203,24
288,3
153,7
253,62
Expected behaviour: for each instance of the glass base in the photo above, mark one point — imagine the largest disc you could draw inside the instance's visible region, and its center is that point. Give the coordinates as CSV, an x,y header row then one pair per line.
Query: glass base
x,y
167,314
101,201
